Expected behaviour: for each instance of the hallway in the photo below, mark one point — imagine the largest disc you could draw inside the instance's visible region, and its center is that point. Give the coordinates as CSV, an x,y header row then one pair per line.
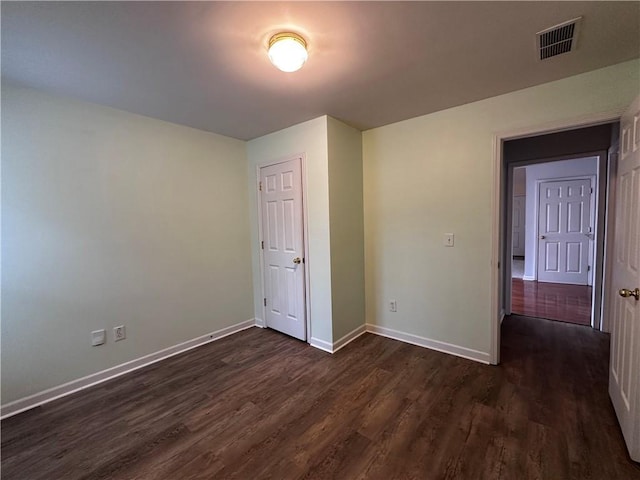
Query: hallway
x,y
552,301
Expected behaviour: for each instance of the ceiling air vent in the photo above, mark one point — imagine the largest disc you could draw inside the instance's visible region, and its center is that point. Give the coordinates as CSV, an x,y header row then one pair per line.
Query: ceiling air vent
x,y
559,39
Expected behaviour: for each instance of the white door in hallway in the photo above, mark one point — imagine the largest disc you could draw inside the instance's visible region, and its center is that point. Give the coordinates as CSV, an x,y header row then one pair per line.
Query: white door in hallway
x,y
518,225
563,231
283,247
624,291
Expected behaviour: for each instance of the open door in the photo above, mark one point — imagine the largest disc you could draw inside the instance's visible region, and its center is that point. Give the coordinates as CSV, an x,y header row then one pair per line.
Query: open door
x,y
624,365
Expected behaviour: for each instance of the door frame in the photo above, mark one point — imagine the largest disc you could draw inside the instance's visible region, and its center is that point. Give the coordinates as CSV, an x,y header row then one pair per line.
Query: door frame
x,y
513,197
612,170
301,157
500,209
600,213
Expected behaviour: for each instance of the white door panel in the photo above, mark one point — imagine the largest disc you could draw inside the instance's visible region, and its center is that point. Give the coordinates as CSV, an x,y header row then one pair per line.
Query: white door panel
x,y
624,365
519,222
563,231
283,248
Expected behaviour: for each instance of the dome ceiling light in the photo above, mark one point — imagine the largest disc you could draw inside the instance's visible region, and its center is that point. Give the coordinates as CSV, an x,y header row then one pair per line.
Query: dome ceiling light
x,y
287,51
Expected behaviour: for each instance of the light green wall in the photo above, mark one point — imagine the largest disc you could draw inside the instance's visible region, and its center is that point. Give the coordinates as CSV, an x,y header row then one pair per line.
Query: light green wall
x,y
310,139
433,174
347,227
110,218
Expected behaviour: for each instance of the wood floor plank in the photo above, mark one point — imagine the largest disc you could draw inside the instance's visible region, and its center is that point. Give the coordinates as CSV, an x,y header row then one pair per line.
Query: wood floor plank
x,y
551,301
260,405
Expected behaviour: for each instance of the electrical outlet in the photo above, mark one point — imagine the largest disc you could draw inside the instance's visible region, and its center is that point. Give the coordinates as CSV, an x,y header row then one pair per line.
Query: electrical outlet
x,y
119,333
393,306
98,337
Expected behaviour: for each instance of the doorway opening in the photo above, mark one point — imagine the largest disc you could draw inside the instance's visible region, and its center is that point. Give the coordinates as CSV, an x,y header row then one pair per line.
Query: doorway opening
x,y
555,224
552,141
554,233
616,274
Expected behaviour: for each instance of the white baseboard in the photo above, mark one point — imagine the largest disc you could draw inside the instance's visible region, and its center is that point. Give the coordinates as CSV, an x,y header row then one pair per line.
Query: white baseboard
x,y
260,323
444,347
349,337
528,278
341,342
321,344
65,389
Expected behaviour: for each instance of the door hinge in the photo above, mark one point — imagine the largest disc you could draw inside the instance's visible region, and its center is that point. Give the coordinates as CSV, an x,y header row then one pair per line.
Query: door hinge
x,y
265,302
588,268
591,190
262,244
259,186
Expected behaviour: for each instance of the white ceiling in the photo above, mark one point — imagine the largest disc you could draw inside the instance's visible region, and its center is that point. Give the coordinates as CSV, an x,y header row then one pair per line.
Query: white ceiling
x,y
204,64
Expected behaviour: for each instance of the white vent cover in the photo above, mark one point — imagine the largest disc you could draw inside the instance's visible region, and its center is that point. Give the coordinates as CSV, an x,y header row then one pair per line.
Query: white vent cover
x,y
559,39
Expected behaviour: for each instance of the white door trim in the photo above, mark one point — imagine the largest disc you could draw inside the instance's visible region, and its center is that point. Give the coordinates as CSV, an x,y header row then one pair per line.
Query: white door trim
x,y
305,233
497,246
523,225
612,168
505,300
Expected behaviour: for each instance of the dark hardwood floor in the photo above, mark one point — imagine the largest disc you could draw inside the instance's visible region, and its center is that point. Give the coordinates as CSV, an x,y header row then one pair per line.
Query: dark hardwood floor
x,y
553,301
260,405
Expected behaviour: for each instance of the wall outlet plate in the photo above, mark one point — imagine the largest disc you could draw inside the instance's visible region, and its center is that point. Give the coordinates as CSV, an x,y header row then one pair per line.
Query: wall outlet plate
x,y
393,306
448,239
119,333
98,337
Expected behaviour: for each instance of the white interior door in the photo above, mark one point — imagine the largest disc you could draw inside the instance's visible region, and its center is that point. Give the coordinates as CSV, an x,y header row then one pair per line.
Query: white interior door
x,y
563,231
624,365
283,247
518,225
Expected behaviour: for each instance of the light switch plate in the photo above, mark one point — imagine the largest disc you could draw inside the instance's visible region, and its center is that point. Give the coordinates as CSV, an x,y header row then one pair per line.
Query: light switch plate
x,y
448,239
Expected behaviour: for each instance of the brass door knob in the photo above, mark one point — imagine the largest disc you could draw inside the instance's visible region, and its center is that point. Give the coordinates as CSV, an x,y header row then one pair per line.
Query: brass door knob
x,y
297,260
625,292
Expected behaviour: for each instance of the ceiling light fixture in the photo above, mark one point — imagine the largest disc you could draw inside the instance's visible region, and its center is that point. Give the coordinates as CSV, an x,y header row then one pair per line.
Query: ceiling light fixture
x,y
287,51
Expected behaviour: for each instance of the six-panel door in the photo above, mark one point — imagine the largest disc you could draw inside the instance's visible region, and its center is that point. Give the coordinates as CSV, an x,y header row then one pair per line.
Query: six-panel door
x,y
563,231
624,364
283,252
